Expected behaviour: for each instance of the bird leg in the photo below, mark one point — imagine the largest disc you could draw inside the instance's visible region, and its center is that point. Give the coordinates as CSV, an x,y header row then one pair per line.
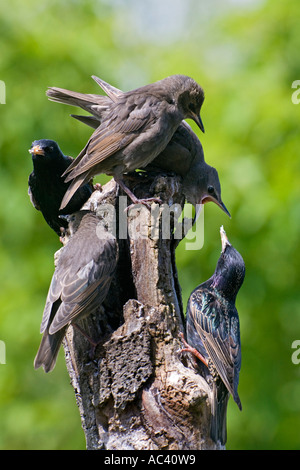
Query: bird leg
x,y
97,187
134,199
189,349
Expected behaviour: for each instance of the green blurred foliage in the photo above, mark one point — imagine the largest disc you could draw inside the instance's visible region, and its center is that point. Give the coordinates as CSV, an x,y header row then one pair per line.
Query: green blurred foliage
x,y
246,55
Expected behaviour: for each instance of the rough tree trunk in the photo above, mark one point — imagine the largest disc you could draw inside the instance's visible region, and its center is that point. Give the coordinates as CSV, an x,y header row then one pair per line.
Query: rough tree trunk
x,y
135,391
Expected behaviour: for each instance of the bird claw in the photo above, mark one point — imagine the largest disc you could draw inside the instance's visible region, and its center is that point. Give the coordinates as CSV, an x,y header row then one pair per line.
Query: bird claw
x,y
97,187
193,351
144,202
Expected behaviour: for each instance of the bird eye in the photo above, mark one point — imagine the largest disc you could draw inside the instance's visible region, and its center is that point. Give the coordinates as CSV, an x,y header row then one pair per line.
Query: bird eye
x,y
170,101
211,189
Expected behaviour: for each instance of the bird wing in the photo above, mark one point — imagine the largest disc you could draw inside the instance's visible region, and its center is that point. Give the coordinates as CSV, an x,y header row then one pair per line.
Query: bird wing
x,y
33,200
220,336
117,129
53,296
85,289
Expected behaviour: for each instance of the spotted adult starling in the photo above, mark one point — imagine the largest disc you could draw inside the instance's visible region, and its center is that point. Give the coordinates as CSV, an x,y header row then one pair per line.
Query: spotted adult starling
x,y
213,333
46,187
80,282
183,155
134,129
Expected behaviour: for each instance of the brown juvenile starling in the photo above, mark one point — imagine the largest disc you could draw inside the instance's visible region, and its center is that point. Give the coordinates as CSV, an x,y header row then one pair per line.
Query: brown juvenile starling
x,y
80,282
213,333
183,155
134,129
47,188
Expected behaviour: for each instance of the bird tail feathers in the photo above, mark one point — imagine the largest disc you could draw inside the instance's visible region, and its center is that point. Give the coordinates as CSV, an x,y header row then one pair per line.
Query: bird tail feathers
x,y
76,183
218,428
91,121
110,90
48,350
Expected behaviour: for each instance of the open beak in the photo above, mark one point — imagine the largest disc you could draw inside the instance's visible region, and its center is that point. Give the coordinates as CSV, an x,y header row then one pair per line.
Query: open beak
x,y
224,238
198,121
36,150
221,204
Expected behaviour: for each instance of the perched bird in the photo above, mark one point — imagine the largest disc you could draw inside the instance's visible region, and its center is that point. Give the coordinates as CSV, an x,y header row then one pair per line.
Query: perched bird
x,y
46,187
213,333
79,284
183,155
134,129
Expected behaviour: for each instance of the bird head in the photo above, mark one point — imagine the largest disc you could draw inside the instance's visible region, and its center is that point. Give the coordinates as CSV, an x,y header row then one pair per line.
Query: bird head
x,y
212,189
230,271
202,185
189,96
44,148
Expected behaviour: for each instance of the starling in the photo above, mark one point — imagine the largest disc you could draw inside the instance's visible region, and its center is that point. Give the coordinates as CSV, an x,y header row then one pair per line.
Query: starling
x,y
46,188
134,129
213,333
80,282
183,155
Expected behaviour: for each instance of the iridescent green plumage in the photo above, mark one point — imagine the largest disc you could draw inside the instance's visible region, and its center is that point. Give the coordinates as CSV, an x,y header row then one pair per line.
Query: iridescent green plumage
x,y
212,325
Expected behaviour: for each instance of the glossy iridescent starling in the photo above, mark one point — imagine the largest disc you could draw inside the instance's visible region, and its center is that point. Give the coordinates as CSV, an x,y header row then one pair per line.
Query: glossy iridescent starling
x,y
183,155
46,187
80,282
213,333
134,129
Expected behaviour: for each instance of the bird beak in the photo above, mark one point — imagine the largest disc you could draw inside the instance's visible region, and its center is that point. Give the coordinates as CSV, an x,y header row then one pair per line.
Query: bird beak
x,y
221,204
224,239
198,121
36,150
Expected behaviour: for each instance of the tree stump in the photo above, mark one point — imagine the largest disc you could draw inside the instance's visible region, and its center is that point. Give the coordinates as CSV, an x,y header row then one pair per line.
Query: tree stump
x,y
135,391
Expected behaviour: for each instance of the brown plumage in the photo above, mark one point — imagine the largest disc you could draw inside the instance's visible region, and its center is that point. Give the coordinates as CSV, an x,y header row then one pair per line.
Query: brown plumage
x,y
183,155
135,127
80,282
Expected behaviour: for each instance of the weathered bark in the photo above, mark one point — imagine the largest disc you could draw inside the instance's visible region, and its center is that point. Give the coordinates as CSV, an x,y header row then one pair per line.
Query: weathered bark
x,y
135,391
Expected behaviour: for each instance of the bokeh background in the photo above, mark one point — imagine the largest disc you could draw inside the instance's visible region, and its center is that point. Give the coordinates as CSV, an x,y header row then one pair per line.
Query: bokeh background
x,y
245,53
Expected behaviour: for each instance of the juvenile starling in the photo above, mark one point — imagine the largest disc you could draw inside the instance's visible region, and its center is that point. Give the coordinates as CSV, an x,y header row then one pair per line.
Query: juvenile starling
x,y
213,333
47,188
134,129
80,282
183,155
